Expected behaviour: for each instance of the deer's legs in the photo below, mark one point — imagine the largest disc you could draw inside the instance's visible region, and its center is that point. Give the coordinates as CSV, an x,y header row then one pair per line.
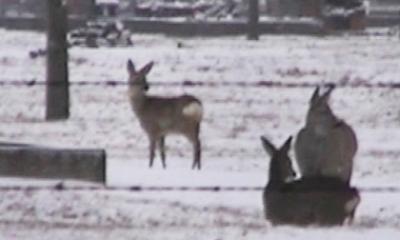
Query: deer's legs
x,y
161,146
350,219
152,148
197,154
193,136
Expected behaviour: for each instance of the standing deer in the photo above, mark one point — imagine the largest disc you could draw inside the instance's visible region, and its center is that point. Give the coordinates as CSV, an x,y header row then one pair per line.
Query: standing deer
x,y
316,200
161,116
326,145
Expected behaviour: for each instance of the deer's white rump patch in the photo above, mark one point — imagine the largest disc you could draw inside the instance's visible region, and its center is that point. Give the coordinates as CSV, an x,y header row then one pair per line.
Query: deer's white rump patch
x,y
194,110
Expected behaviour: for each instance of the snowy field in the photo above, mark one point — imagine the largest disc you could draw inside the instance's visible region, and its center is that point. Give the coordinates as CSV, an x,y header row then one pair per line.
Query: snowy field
x,y
235,117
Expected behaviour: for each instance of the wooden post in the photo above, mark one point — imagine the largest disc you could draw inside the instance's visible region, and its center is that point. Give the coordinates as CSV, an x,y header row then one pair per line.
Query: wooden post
x,y
57,94
28,161
253,33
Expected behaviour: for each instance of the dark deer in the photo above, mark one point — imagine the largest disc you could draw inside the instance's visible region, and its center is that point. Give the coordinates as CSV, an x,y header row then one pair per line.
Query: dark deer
x,y
326,145
317,200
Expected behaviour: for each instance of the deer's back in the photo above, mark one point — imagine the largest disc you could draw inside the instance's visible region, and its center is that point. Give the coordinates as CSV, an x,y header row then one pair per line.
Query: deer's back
x,y
330,154
162,115
317,200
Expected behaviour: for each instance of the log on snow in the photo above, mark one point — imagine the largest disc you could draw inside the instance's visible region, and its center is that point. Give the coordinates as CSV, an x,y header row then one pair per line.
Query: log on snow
x,y
22,160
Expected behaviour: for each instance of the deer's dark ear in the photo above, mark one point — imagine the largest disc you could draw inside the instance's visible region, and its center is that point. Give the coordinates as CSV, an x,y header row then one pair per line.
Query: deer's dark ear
x,y
268,146
130,67
146,69
286,146
315,96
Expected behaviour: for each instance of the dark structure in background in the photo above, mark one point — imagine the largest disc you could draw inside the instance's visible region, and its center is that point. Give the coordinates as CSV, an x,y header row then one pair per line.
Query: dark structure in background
x,y
253,33
27,8
280,8
107,8
81,8
100,34
344,3
344,14
312,8
335,14
76,8
213,17
57,94
93,8
295,8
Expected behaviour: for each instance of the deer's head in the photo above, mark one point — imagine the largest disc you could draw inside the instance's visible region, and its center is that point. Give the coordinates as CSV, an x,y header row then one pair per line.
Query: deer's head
x,y
137,78
280,168
319,111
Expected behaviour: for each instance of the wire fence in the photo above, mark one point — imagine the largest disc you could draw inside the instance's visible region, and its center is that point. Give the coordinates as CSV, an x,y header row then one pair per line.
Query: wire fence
x,y
188,83
137,188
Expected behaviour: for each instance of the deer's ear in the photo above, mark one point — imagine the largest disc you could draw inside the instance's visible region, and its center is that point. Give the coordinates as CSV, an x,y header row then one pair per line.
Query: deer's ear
x,y
327,94
286,146
130,67
268,146
146,69
315,95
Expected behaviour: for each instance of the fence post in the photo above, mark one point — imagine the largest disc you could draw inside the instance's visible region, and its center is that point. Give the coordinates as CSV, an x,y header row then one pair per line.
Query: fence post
x,y
57,92
253,33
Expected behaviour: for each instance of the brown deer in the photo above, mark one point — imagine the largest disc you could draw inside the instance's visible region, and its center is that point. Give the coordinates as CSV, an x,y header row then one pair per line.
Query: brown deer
x,y
326,145
161,116
316,200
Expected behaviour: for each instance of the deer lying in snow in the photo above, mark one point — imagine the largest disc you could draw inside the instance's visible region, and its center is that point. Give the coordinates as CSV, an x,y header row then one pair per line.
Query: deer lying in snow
x,y
326,145
161,116
314,200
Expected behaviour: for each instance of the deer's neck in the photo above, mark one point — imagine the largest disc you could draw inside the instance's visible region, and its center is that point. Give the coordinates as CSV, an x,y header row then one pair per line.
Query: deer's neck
x,y
276,177
137,98
321,125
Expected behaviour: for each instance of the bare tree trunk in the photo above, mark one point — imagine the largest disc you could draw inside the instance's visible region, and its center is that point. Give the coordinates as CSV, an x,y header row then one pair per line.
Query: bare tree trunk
x,y
57,94
253,33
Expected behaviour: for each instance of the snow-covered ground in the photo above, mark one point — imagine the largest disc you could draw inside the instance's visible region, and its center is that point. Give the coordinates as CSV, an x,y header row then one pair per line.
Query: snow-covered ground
x,y
235,117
